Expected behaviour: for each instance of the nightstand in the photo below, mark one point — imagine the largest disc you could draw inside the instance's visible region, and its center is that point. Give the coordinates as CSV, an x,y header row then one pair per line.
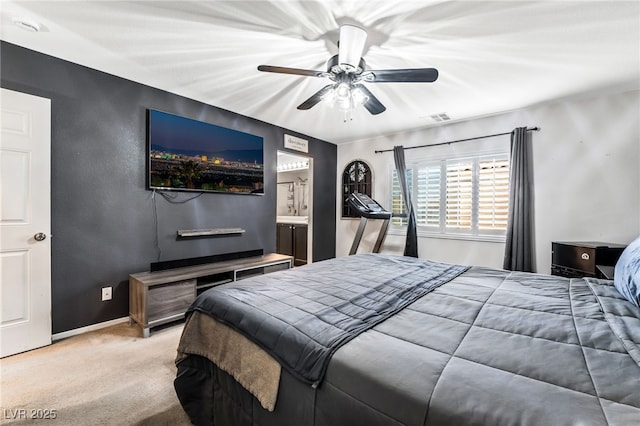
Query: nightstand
x,y
584,259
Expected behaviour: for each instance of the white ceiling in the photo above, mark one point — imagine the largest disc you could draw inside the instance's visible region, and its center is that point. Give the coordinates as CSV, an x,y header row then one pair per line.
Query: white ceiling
x,y
492,56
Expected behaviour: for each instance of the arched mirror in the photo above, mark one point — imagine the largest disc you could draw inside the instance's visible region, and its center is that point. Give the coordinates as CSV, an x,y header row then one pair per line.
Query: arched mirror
x,y
355,178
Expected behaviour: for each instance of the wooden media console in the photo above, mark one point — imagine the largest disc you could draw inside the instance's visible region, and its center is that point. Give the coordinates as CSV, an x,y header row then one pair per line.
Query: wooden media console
x,y
156,298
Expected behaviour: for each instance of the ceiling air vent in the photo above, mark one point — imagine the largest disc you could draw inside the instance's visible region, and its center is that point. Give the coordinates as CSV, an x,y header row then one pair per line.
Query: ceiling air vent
x,y
26,24
440,117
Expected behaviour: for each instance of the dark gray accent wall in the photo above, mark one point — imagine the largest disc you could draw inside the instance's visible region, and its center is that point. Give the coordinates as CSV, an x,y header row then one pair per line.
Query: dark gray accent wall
x,y
104,218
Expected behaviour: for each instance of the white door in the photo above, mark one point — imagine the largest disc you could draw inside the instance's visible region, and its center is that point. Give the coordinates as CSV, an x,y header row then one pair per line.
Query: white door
x,y
25,222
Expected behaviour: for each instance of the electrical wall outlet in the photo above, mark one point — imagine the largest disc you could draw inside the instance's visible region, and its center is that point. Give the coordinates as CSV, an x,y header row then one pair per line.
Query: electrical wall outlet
x,y
106,293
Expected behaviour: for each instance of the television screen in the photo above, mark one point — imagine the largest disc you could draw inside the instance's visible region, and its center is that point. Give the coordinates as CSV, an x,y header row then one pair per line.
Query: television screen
x,y
190,155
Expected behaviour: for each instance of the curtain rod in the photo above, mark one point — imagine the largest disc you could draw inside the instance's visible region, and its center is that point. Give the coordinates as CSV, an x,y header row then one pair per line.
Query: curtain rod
x,y
529,129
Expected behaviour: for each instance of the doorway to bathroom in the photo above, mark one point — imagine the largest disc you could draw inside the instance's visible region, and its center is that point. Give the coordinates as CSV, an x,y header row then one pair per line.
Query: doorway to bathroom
x,y
294,207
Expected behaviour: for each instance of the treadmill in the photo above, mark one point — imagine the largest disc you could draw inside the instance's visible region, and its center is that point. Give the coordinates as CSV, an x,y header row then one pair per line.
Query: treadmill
x,y
367,208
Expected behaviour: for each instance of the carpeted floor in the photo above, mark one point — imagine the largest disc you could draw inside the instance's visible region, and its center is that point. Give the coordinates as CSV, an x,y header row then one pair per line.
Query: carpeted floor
x,y
106,377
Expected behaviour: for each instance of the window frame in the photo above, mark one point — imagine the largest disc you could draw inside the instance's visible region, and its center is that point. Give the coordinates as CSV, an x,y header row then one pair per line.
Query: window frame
x,y
398,226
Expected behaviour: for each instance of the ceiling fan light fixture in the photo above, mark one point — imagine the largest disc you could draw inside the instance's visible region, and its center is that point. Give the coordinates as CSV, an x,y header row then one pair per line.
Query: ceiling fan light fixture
x,y
344,104
358,97
343,92
345,97
330,95
351,46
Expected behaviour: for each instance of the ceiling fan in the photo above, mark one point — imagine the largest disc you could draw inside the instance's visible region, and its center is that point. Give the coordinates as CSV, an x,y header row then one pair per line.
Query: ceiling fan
x,y
347,71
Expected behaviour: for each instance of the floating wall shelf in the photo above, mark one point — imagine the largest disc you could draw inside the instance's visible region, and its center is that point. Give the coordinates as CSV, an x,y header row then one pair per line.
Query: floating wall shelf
x,y
212,231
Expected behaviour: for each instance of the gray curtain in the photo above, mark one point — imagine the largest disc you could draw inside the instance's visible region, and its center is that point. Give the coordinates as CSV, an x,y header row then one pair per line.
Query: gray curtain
x,y
411,245
518,254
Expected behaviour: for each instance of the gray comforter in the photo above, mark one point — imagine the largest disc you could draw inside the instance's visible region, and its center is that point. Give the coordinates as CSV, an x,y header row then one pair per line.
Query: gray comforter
x,y
303,316
490,347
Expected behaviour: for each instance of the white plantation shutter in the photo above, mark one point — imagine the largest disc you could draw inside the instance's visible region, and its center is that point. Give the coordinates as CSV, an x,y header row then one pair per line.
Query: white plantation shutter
x,y
464,196
493,193
397,202
459,187
397,206
428,181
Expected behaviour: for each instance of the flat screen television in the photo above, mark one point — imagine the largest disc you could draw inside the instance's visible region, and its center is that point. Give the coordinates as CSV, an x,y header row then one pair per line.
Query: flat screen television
x,y
191,155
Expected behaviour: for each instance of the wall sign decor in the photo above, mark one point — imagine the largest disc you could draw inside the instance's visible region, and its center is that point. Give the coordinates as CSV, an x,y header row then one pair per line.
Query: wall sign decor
x,y
295,143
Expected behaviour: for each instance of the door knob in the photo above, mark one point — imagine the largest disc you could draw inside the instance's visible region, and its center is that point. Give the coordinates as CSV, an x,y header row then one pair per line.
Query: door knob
x,y
40,236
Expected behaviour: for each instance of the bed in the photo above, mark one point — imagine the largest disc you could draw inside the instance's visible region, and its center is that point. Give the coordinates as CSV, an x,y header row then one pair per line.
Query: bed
x,y
376,339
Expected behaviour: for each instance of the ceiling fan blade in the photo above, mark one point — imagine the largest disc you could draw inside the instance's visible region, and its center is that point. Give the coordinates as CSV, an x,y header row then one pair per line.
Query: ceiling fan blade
x,y
415,75
373,105
294,71
315,98
351,46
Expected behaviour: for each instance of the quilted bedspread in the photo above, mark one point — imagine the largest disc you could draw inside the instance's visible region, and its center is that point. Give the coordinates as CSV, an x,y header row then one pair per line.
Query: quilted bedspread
x,y
303,316
488,347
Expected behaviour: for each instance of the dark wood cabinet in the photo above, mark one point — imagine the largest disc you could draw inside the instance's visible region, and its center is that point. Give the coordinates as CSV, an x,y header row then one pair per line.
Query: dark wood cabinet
x,y
299,245
285,239
292,241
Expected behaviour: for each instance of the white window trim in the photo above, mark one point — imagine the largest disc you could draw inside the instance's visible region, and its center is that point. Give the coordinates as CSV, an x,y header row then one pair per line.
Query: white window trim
x,y
402,231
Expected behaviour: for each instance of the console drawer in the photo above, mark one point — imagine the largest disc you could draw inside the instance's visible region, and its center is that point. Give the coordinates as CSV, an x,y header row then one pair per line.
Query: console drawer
x,y
169,299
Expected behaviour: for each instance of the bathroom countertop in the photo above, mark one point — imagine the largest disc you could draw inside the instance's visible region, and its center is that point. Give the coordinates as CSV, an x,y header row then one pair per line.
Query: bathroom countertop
x,y
293,219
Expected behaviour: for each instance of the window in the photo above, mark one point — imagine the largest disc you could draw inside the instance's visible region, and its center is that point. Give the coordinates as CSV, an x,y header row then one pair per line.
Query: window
x,y
459,195
493,194
397,201
463,196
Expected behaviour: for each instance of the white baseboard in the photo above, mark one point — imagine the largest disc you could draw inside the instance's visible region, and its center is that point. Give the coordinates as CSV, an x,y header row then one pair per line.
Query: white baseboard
x,y
88,328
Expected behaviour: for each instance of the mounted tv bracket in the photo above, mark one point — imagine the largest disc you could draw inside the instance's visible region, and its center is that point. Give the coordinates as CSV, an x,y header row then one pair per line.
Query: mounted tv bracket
x,y
368,208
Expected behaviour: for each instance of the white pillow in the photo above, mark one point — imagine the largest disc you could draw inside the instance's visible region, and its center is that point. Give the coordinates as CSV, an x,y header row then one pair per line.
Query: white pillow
x,y
626,277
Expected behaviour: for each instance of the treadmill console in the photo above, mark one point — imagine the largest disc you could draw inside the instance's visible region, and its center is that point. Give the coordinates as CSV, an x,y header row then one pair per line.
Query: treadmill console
x,y
367,207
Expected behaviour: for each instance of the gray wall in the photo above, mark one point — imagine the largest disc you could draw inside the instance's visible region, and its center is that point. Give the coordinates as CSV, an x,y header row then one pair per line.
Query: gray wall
x,y
102,214
586,174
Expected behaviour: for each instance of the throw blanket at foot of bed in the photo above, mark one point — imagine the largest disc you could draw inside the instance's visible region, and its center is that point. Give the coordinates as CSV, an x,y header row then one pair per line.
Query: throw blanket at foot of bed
x,y
303,315
245,361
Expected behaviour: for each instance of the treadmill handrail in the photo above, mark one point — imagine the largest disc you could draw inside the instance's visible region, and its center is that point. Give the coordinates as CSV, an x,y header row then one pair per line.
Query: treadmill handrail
x,y
367,207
